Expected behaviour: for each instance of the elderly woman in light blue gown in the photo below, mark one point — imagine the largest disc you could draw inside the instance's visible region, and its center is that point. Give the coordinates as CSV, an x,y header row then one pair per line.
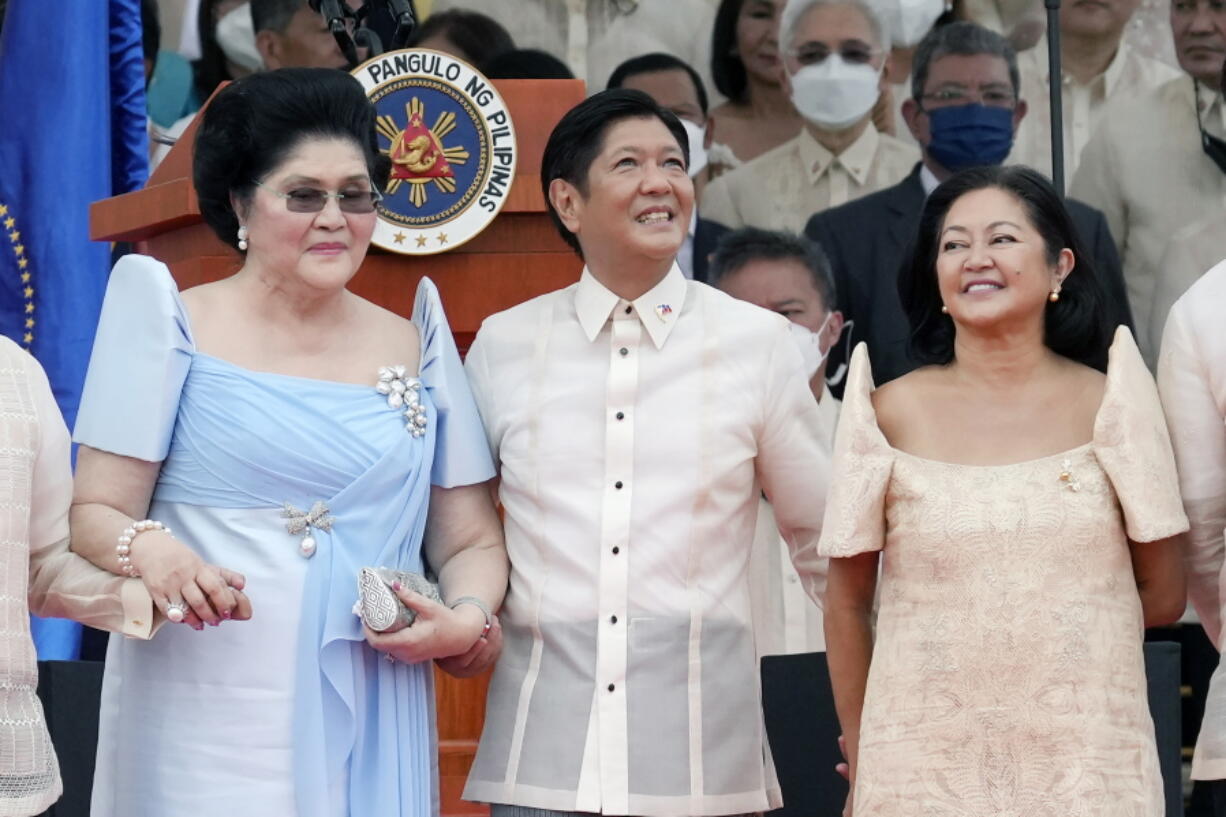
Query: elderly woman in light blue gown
x,y
247,447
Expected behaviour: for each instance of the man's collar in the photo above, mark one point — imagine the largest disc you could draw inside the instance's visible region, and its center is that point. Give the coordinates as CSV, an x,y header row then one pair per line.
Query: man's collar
x,y
857,159
657,309
1110,75
928,180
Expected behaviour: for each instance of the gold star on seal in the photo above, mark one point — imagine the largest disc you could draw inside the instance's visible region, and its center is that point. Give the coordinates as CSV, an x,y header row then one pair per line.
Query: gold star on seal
x,y
421,241
4,209
442,239
399,238
9,222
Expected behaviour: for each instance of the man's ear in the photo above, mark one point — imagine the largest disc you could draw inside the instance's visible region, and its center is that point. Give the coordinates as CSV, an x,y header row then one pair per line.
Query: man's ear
x,y
268,43
1019,113
568,203
911,114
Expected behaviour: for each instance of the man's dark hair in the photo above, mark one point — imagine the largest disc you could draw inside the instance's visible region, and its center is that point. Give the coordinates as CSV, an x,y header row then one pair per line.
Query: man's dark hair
x,y
526,63
654,64
577,140
727,69
274,15
961,39
1075,326
739,247
255,122
480,37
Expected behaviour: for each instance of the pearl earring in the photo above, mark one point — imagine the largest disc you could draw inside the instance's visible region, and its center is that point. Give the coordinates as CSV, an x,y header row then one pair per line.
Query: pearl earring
x,y
944,309
242,238
1055,295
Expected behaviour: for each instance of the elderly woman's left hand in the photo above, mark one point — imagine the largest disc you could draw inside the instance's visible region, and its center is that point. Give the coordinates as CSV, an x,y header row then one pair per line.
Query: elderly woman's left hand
x,y
438,631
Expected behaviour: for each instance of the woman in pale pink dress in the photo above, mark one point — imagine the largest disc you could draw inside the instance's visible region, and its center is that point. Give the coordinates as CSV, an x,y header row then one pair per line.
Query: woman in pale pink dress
x,y
1025,513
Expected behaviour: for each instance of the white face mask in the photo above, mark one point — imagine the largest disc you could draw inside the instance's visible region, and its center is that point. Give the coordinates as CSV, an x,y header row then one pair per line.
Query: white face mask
x,y
910,20
810,345
698,151
834,94
236,37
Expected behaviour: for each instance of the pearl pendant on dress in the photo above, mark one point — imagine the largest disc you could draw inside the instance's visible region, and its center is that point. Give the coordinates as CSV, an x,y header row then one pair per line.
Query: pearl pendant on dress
x,y
307,548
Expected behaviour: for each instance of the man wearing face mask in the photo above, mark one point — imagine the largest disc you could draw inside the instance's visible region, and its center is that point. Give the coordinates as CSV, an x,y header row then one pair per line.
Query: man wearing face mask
x,y
1098,66
1157,162
834,53
963,111
677,87
790,275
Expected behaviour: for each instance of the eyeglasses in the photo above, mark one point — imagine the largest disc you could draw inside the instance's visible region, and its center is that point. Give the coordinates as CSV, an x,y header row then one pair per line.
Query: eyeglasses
x,y
313,200
952,97
814,53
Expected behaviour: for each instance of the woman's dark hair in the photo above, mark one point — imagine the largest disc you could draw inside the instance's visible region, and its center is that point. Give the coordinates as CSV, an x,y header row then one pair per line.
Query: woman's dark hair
x,y
255,122
481,38
1075,326
577,140
210,70
727,70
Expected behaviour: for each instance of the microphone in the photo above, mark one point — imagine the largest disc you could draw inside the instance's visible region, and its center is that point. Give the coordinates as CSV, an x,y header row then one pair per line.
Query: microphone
x,y
406,21
334,13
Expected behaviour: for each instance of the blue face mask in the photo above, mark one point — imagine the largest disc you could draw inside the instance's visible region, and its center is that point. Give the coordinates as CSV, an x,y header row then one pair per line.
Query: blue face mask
x,y
970,135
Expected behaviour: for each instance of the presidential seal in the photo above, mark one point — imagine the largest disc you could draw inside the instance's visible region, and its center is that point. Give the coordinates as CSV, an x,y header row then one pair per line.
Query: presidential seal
x,y
452,146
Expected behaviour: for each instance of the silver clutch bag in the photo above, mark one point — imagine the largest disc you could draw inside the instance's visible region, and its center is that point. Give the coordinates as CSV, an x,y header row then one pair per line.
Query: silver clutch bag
x,y
379,606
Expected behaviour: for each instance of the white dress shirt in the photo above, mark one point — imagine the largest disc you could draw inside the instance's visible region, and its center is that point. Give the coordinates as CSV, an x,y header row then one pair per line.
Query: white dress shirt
x,y
1145,170
786,620
1128,74
634,439
783,187
1192,382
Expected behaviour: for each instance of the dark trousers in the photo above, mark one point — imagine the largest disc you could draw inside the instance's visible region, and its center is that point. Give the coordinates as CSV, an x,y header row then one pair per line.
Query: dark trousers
x,y
1217,792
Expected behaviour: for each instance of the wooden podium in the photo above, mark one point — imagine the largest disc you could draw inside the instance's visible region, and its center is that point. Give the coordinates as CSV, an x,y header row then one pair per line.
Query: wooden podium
x,y
517,257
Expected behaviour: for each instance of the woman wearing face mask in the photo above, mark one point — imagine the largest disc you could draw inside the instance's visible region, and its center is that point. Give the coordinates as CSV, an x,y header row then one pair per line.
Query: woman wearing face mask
x,y
1029,515
745,64
835,52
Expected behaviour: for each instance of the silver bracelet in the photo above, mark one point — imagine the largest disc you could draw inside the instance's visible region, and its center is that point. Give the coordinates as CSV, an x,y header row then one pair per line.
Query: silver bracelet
x,y
123,548
480,605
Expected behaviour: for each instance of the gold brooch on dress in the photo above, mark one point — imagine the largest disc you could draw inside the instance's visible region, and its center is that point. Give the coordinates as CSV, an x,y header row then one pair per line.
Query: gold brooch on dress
x,y
1067,477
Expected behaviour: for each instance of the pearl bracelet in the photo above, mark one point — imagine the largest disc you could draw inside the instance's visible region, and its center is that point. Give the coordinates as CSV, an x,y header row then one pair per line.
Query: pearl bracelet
x,y
123,549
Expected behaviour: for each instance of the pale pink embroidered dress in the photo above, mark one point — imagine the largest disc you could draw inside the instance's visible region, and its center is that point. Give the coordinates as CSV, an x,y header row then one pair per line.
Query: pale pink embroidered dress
x,y
1007,676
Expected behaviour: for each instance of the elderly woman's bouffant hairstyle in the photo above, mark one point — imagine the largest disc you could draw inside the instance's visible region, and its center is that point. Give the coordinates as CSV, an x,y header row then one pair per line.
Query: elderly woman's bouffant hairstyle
x,y
254,123
1075,326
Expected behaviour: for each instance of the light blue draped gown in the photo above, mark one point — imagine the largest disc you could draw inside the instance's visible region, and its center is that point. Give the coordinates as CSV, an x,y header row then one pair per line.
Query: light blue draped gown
x,y
290,713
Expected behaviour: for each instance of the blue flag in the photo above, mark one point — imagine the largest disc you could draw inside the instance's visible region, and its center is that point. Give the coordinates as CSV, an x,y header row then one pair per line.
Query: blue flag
x,y
72,131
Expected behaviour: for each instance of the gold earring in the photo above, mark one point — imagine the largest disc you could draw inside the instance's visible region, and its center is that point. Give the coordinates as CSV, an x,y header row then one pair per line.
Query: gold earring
x,y
944,309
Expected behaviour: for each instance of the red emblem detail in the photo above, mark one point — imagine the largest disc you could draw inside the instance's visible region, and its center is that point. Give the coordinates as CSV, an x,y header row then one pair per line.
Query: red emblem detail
x,y
416,154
